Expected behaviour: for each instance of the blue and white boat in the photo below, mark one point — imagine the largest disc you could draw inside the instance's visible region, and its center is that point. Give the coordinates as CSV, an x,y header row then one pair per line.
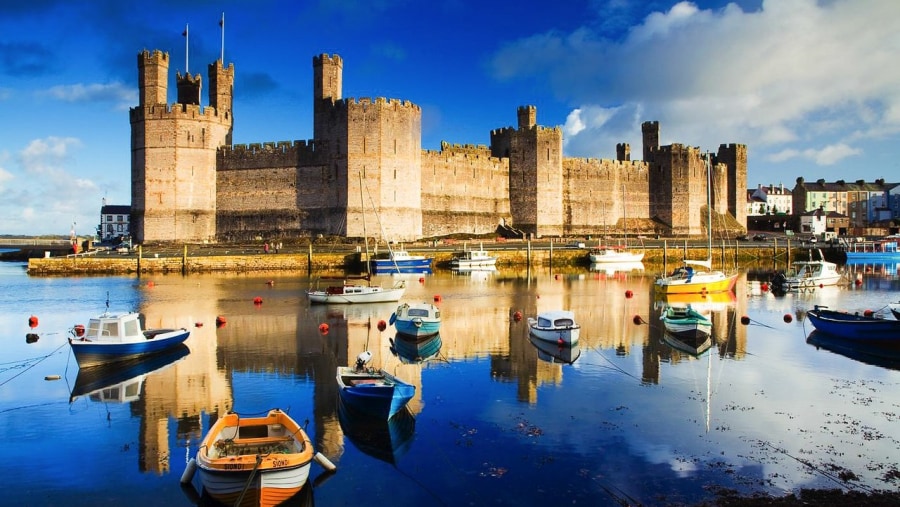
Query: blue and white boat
x,y
400,261
112,338
371,391
557,326
875,251
412,351
417,320
855,326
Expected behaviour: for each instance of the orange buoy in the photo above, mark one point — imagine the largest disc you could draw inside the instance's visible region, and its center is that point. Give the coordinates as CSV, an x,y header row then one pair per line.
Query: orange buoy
x,y
323,328
745,320
437,298
382,325
421,279
150,283
517,316
788,318
198,324
32,322
79,330
257,300
220,320
868,313
637,319
628,294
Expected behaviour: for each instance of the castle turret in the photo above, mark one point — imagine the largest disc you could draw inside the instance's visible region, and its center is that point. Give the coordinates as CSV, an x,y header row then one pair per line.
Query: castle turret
x,y
188,88
623,152
650,134
153,71
327,88
527,117
221,92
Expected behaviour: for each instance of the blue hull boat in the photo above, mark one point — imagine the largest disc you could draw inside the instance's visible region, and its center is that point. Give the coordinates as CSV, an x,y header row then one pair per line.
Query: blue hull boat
x,y
400,261
417,320
854,326
103,376
112,338
373,392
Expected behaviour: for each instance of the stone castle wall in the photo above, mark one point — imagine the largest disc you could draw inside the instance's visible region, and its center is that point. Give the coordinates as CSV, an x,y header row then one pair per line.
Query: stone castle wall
x,y
464,190
601,194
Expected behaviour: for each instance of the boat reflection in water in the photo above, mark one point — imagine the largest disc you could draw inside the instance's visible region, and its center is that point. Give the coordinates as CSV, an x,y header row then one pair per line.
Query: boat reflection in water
x,y
383,439
885,355
694,345
612,268
414,351
554,352
122,381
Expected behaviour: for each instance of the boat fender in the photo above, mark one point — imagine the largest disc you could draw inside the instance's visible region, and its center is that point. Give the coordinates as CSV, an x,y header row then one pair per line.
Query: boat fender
x,y
324,462
189,470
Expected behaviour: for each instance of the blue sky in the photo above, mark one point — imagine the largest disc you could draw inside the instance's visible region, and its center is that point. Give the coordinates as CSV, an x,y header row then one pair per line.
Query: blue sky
x,y
812,87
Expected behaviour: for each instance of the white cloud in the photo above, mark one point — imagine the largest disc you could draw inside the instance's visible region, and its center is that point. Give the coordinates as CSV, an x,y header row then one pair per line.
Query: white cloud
x,y
792,74
116,93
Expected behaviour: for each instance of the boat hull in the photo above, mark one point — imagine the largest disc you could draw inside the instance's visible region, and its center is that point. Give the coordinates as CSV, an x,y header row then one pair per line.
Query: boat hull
x,y
387,266
699,284
691,343
554,352
604,256
566,335
854,326
91,353
376,393
358,295
417,331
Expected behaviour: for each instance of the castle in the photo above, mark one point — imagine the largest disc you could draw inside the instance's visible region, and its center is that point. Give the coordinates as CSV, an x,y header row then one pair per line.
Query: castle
x,y
365,173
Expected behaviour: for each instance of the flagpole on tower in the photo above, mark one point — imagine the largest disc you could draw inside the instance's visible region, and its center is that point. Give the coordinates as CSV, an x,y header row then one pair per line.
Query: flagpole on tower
x,y
186,60
222,24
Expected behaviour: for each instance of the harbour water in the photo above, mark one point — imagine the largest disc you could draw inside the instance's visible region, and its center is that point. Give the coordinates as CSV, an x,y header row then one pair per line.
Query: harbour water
x,y
496,420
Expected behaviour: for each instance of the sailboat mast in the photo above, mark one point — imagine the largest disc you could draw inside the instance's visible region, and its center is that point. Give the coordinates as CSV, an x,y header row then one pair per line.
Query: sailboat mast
x,y
624,216
708,208
362,209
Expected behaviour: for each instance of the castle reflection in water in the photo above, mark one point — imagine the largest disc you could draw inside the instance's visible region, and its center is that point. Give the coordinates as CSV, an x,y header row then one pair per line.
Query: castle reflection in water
x,y
283,337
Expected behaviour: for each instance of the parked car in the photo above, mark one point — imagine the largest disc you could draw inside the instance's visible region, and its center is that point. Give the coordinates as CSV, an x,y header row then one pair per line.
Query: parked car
x,y
760,237
742,237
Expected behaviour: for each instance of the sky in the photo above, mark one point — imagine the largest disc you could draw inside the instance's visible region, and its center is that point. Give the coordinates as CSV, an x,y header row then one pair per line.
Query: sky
x,y
811,87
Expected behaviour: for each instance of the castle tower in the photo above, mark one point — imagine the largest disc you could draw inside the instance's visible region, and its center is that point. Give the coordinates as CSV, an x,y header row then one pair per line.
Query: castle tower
x,y
153,72
173,158
623,152
327,89
734,156
650,135
678,188
535,174
221,92
188,88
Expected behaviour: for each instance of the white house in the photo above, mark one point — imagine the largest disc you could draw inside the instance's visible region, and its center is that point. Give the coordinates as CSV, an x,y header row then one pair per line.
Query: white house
x,y
114,222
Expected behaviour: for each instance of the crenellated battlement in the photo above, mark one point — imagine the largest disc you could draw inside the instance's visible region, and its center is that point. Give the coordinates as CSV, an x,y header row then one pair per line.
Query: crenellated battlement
x,y
329,59
396,104
176,112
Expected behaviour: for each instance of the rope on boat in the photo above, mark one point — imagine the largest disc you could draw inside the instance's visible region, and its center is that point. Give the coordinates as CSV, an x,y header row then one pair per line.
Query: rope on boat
x,y
259,458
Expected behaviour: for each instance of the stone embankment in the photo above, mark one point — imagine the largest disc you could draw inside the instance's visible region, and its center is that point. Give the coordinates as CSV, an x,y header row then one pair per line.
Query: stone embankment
x,y
188,260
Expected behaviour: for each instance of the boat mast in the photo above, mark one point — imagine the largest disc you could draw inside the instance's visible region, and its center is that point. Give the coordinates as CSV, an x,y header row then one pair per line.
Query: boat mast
x,y
708,209
362,209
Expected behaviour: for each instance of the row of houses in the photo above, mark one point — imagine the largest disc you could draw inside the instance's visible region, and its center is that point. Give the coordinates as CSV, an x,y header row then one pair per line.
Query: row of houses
x,y
824,208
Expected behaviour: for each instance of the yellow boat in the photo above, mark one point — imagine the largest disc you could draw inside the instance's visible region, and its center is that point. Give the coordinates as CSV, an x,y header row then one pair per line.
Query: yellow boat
x,y
255,460
687,280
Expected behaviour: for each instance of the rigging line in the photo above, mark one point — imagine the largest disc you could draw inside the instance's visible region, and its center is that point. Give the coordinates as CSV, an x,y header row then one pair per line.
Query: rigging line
x,y
34,364
612,365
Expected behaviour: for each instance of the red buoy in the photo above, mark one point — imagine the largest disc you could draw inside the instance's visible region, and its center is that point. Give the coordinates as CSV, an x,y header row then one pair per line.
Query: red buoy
x,y
32,322
382,325
437,298
637,320
323,328
858,282
421,279
788,318
745,320
150,283
868,313
220,320
764,287
79,330
517,316
628,294
198,324
257,300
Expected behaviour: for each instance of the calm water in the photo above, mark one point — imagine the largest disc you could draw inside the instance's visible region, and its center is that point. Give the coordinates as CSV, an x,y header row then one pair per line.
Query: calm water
x,y
494,420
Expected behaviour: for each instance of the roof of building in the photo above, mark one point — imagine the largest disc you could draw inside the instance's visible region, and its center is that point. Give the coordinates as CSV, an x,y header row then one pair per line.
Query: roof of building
x,y
115,209
821,185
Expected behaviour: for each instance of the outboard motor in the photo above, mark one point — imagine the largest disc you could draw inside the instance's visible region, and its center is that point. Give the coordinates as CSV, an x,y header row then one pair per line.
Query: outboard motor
x,y
362,359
